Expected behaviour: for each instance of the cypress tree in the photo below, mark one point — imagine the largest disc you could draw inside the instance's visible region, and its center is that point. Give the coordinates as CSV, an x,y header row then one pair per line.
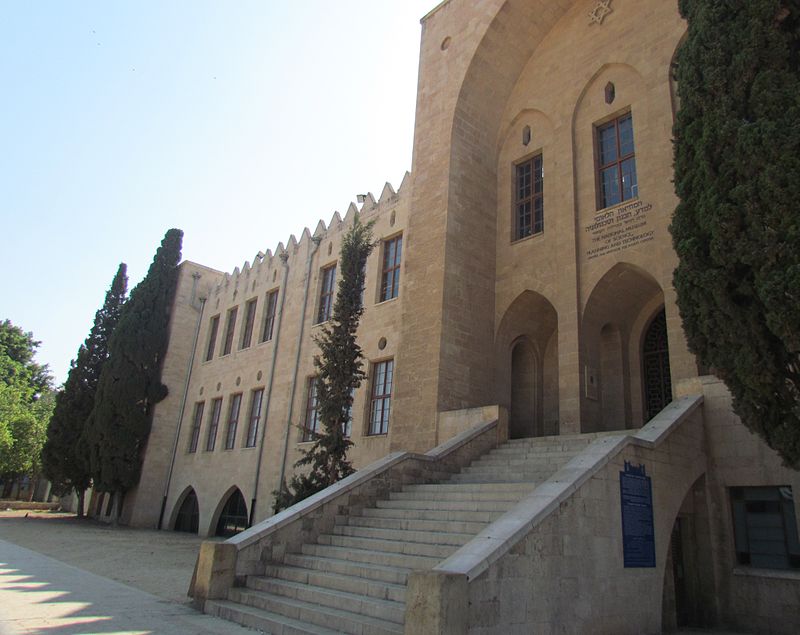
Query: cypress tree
x,y
130,382
340,371
737,227
65,455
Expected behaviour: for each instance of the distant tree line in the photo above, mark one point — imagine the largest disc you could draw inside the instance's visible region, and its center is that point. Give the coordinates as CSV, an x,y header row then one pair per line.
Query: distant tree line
x,y
26,401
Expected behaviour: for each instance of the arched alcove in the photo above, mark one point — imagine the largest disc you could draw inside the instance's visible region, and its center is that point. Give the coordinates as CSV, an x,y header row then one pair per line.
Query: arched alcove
x,y
231,516
527,365
687,596
186,516
523,414
618,311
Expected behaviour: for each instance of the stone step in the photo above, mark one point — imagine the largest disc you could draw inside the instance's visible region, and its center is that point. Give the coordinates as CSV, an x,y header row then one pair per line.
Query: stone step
x,y
450,495
332,618
564,440
335,581
433,514
456,526
331,598
530,453
263,621
556,443
460,487
405,535
389,559
552,459
391,574
389,546
466,506
511,470
499,478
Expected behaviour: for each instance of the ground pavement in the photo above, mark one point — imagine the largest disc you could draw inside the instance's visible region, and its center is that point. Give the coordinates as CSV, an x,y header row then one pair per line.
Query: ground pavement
x,y
40,595
104,581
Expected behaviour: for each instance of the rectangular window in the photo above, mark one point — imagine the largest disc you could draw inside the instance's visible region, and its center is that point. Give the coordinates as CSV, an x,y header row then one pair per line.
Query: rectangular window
x,y
326,294
230,326
249,320
269,315
311,422
616,159
212,337
764,527
529,198
198,420
255,417
213,425
390,278
233,421
381,401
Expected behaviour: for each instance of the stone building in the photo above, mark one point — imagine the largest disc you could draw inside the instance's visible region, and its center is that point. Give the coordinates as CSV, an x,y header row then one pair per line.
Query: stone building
x,y
522,288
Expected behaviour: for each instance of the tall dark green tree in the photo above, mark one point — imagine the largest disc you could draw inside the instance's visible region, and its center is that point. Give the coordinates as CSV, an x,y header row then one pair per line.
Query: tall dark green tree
x,y
340,370
737,227
65,455
130,383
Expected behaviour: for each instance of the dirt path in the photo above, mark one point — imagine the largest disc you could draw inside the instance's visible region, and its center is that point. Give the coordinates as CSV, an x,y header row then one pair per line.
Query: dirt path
x,y
159,562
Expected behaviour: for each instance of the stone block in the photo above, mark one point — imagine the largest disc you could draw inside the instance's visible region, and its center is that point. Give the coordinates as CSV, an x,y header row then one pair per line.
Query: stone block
x,y
215,571
437,603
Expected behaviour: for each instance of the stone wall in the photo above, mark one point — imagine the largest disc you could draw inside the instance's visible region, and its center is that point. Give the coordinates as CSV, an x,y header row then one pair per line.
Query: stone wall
x,y
281,366
750,599
567,575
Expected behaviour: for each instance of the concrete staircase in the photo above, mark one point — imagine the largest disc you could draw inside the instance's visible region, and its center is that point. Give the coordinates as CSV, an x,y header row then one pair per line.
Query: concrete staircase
x,y
354,579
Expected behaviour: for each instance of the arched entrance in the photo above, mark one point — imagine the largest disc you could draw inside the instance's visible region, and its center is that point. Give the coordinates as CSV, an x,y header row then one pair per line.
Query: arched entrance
x,y
188,517
618,312
233,517
522,415
527,363
656,377
687,592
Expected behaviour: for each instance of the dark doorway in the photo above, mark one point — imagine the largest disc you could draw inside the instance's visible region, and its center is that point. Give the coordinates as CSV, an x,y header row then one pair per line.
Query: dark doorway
x,y
523,415
679,574
188,518
233,518
656,375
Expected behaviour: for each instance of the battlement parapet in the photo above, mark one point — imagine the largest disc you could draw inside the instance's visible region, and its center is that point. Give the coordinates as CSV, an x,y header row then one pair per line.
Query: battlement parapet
x,y
371,207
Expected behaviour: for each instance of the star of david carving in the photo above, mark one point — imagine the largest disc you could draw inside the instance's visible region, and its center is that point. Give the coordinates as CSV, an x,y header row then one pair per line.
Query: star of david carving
x,y
601,10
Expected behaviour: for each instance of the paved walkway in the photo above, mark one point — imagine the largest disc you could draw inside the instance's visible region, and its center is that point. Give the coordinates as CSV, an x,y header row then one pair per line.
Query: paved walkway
x,y
42,596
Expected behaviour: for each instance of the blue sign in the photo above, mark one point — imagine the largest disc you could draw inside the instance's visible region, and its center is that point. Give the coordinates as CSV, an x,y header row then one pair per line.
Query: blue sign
x,y
638,534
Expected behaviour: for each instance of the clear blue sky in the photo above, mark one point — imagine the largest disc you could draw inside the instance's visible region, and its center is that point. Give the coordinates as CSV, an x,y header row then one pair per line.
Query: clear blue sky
x,y
238,122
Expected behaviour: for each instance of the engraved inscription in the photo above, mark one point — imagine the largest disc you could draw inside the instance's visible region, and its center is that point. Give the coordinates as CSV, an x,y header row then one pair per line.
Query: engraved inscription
x,y
618,228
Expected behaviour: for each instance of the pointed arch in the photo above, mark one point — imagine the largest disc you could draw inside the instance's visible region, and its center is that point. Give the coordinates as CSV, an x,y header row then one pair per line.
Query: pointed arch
x,y
230,517
186,512
619,308
526,354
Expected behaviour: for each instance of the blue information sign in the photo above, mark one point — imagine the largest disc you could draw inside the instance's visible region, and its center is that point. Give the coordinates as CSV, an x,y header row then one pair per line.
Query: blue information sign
x,y
638,535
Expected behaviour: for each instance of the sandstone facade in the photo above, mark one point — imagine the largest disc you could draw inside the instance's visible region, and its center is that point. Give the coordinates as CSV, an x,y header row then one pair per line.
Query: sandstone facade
x,y
561,313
